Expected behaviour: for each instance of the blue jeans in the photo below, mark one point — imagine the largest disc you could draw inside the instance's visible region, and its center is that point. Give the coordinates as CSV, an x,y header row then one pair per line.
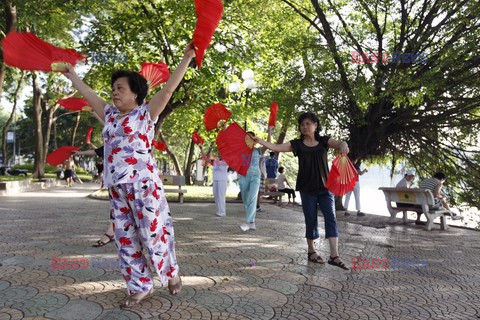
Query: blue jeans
x,y
327,204
249,186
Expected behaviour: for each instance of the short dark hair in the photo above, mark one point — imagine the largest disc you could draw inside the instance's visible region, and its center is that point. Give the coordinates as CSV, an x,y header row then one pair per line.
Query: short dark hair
x,y
440,176
272,154
281,169
311,116
138,84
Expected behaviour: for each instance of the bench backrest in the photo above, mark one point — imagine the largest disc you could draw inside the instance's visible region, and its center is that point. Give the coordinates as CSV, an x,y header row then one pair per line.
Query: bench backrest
x,y
173,180
409,195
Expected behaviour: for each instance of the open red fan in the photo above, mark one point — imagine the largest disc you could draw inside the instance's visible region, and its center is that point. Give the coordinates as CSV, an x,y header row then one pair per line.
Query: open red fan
x,y
342,176
61,154
75,104
273,114
197,139
214,115
155,73
209,13
159,145
89,135
235,146
26,51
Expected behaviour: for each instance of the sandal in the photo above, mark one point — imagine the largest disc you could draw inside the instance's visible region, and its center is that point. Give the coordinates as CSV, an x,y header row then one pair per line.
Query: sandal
x,y
101,243
174,289
133,301
337,264
317,259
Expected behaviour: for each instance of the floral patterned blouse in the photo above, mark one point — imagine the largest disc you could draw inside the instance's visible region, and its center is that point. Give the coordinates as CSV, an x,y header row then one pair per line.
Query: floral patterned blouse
x,y
128,146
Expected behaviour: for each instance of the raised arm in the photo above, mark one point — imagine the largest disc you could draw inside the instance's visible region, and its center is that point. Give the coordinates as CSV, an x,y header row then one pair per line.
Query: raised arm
x,y
161,98
93,99
269,138
341,146
284,147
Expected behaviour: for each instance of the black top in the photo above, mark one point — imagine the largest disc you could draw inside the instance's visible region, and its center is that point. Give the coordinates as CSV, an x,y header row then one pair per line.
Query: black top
x,y
312,165
99,152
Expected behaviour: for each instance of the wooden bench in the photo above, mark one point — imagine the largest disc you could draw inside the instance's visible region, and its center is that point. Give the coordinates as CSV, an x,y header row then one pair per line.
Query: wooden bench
x,y
277,195
422,199
174,181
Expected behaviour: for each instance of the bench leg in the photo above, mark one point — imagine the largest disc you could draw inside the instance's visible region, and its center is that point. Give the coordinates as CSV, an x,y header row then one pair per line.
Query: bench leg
x,y
180,197
444,225
405,220
429,222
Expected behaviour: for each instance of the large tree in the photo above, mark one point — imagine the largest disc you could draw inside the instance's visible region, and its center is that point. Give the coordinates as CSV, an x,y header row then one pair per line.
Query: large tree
x,y
421,108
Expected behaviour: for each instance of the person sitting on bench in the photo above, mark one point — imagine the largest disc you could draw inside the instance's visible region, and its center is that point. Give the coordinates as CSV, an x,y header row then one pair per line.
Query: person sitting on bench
x,y
435,185
281,180
407,182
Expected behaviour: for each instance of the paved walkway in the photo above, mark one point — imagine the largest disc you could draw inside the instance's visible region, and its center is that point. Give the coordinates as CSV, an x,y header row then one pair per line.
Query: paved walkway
x,y
229,274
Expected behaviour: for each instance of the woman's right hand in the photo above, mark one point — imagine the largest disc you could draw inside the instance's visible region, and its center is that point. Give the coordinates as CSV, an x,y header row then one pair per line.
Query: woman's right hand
x,y
70,73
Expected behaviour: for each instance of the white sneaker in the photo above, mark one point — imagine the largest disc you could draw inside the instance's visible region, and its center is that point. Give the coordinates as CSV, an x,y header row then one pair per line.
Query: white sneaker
x,y
245,227
456,216
220,214
252,226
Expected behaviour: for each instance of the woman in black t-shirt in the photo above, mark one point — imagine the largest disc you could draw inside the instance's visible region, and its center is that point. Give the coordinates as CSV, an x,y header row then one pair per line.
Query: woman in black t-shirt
x,y
311,150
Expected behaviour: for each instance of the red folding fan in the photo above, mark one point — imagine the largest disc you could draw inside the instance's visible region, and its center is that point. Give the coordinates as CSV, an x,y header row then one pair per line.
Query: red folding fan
x,y
235,146
159,145
197,139
61,154
209,13
89,135
75,104
215,115
26,51
155,73
273,114
342,176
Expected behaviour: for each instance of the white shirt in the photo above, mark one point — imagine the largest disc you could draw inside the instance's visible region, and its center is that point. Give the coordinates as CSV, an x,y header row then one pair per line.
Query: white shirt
x,y
281,181
220,168
404,183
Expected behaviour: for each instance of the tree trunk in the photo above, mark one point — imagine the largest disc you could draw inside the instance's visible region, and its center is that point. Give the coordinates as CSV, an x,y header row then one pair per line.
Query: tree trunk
x,y
10,120
39,164
188,164
48,127
77,121
171,155
10,25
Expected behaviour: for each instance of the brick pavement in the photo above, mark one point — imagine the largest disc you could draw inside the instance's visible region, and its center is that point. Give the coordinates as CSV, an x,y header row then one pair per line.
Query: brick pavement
x,y
229,274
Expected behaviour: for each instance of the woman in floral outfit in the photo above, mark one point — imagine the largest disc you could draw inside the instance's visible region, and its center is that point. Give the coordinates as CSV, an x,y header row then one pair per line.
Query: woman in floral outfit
x,y
139,209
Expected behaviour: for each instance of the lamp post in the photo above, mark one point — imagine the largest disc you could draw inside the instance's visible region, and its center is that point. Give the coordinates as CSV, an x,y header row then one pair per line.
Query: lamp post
x,y
248,85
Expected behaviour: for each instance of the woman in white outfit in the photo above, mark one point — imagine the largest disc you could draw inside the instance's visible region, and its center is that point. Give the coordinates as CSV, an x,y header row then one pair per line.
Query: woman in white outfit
x,y
356,192
220,174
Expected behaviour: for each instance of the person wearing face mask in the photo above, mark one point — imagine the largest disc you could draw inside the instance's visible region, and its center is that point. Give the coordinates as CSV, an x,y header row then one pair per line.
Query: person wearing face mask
x,y
311,150
139,209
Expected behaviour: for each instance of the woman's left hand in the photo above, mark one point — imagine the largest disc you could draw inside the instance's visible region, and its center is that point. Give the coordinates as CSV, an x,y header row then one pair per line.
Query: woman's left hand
x,y
343,148
189,51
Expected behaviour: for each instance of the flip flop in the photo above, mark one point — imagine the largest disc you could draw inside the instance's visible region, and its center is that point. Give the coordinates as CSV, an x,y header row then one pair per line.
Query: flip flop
x,y
101,243
340,264
318,259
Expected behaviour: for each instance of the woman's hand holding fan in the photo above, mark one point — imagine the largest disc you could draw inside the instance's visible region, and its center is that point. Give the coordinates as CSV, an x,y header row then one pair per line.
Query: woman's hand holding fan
x,y
342,176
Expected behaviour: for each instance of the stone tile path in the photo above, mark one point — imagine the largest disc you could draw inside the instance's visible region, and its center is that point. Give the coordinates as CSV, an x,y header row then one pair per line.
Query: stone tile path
x,y
229,274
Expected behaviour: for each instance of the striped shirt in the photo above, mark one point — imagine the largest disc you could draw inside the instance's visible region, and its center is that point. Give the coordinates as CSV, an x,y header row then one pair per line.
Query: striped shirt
x,y
429,184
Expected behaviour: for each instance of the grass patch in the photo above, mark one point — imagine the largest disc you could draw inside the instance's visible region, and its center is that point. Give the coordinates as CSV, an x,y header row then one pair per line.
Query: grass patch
x,y
194,193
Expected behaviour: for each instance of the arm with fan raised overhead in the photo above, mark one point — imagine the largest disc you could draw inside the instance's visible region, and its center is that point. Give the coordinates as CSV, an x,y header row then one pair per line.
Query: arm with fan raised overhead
x,y
342,146
93,99
269,138
161,98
